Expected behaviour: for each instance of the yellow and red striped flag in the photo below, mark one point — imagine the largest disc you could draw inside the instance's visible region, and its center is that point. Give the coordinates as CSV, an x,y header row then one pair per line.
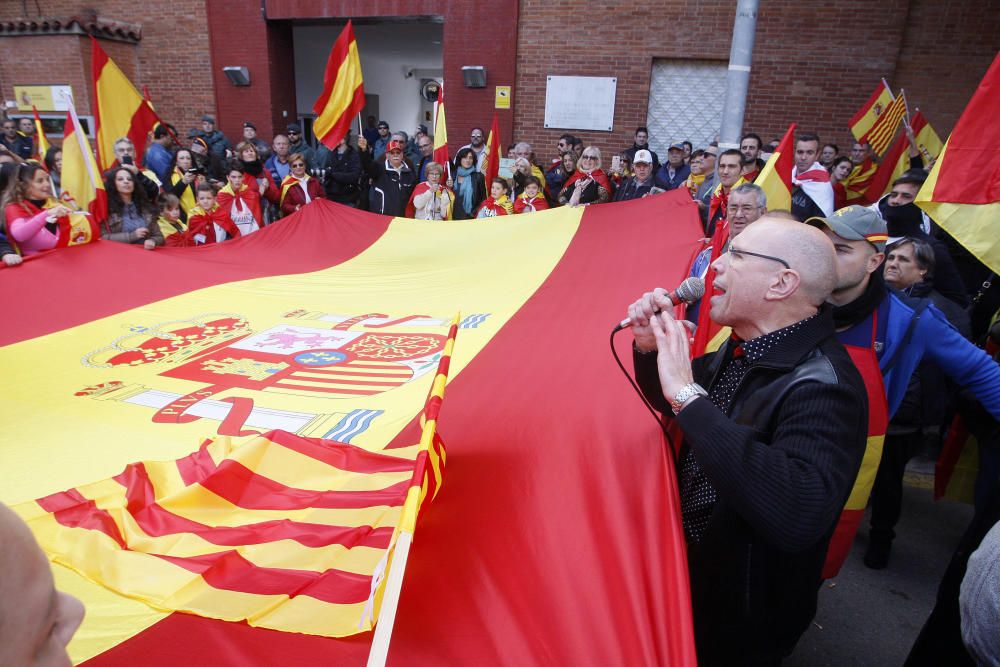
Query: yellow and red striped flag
x,y
491,158
119,109
880,136
441,133
343,90
871,110
776,176
962,192
859,181
82,187
897,160
41,141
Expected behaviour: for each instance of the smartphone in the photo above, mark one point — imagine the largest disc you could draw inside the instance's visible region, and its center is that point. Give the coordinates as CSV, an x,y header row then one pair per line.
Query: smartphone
x,y
616,163
127,159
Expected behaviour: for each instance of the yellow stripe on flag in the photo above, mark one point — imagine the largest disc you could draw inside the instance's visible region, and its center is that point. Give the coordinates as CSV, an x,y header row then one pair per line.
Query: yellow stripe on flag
x,y
348,79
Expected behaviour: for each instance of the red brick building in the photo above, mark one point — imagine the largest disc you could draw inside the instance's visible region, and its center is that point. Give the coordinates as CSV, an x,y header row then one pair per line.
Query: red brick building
x,y
814,63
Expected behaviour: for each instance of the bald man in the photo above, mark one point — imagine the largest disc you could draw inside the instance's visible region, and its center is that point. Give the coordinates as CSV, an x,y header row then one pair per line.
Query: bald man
x,y
774,430
36,620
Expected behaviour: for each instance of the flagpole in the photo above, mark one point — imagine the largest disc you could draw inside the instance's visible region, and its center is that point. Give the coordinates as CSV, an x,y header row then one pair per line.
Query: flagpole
x,y
906,110
888,89
379,652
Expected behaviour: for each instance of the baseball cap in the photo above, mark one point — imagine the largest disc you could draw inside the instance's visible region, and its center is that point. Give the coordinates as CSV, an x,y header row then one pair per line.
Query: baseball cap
x,y
293,127
382,124
208,119
247,123
422,128
855,223
643,156
678,146
394,146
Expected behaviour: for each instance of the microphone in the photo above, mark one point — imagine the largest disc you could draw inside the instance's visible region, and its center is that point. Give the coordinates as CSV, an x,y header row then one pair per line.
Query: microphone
x,y
688,291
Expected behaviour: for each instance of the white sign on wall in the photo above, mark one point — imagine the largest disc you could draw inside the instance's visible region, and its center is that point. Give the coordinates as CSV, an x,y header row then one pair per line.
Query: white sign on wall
x,y
580,102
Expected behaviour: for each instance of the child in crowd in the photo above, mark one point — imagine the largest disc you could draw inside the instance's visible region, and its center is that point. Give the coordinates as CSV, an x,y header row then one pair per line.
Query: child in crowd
x,y
170,221
208,222
497,203
241,201
531,200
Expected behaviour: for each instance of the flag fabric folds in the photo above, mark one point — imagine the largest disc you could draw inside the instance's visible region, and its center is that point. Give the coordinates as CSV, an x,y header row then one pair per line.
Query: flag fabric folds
x,y
41,141
441,134
776,176
859,182
119,109
880,136
962,192
897,160
82,187
491,158
343,95
329,326
864,119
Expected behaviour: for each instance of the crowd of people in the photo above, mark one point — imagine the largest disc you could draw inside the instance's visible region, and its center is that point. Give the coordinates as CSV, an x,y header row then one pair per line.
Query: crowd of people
x,y
862,323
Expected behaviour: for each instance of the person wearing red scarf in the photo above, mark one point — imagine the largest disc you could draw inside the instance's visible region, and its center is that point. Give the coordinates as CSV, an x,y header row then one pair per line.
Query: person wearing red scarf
x,y
298,188
208,222
589,185
729,167
531,200
240,201
497,203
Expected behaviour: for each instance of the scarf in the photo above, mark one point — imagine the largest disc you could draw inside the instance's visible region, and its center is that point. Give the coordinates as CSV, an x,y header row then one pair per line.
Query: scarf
x,y
598,175
253,168
494,207
851,313
694,182
905,220
815,182
719,204
465,188
290,182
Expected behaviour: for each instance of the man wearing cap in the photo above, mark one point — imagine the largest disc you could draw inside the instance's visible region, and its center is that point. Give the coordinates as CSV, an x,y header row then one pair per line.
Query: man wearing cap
x,y
392,178
674,172
383,138
774,431
641,143
639,184
297,144
250,135
888,335
216,140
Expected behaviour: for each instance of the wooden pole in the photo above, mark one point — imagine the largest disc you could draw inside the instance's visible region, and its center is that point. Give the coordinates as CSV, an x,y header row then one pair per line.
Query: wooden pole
x,y
390,600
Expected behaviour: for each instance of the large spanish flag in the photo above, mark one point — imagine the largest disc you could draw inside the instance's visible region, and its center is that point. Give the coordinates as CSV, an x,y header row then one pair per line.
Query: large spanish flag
x,y
327,328
343,95
119,109
962,193
865,117
776,176
82,187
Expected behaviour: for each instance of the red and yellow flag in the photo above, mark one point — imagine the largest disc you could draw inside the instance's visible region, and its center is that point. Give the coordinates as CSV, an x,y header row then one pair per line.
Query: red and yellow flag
x,y
82,186
962,192
41,141
491,158
859,182
776,176
119,109
343,95
441,134
870,111
881,133
897,160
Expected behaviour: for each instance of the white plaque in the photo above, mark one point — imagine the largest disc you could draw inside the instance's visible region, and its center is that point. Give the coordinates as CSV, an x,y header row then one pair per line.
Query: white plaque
x,y
580,102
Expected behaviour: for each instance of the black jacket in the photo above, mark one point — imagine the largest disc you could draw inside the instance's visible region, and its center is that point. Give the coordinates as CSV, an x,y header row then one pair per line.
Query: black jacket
x,y
783,463
390,190
478,195
343,171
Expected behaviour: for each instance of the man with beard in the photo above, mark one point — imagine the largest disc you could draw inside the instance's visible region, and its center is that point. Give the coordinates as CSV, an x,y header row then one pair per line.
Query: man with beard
x,y
641,143
477,144
750,150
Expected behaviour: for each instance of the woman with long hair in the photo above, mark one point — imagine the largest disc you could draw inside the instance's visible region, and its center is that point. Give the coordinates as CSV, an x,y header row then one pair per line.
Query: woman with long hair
x,y
589,185
131,216
34,219
185,177
469,185
840,169
53,163
253,167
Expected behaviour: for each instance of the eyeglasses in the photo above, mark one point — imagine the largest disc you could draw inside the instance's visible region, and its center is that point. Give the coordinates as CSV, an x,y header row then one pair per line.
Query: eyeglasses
x,y
589,157
298,164
290,133
738,253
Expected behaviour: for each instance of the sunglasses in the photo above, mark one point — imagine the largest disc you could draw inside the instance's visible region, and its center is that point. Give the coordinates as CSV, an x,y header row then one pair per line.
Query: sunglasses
x,y
290,132
589,157
298,164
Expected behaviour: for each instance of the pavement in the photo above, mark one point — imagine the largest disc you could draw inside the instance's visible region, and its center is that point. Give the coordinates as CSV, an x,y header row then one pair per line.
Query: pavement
x,y
872,617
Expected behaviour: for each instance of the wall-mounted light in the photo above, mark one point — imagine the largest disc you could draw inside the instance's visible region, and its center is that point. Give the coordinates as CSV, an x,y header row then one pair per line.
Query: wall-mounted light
x,y
474,76
238,76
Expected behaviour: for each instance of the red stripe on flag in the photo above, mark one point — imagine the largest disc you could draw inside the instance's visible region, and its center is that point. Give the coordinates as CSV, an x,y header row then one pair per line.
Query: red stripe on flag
x,y
325,390
72,510
343,125
197,465
339,455
338,54
301,377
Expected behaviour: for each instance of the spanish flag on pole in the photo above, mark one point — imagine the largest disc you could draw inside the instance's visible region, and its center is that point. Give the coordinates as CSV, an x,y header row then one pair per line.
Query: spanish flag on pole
x,y
897,160
41,141
863,121
491,159
962,193
776,176
82,187
119,109
441,134
343,95
881,133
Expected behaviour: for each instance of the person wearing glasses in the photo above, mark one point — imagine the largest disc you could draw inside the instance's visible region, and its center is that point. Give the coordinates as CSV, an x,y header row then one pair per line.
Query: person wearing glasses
x,y
297,144
589,184
774,432
298,188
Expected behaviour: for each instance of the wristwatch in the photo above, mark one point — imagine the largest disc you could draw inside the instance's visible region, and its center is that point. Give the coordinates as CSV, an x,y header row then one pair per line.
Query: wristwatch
x,y
686,393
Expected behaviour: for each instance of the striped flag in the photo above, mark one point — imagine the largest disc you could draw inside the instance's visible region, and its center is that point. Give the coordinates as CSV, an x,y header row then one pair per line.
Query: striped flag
x,y
82,187
871,110
882,132
776,176
491,159
441,134
859,181
897,160
41,141
119,109
343,95
962,192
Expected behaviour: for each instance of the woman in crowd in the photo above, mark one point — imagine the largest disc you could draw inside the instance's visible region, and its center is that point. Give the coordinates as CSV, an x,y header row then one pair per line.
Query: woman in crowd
x,y
569,160
253,167
497,203
242,200
34,220
840,169
589,185
131,216
343,173
469,184
185,178
53,162
431,199
688,148
697,176
298,188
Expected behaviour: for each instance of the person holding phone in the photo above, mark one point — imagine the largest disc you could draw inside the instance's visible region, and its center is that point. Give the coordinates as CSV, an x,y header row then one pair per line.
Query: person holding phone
x,y
185,177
